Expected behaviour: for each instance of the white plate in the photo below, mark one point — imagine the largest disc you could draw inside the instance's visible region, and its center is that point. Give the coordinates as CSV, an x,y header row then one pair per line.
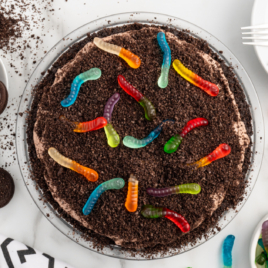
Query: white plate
x,y
3,74
260,16
254,241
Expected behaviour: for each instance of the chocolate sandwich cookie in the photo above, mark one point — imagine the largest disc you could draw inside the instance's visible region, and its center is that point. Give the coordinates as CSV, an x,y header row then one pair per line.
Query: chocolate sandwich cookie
x,y
7,187
3,97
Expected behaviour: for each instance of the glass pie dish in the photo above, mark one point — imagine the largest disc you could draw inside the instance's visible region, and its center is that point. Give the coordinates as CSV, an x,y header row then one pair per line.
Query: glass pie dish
x,y
119,20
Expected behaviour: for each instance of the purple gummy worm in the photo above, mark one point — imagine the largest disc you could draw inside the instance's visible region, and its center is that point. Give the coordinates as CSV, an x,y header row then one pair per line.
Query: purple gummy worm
x,y
265,234
108,109
161,192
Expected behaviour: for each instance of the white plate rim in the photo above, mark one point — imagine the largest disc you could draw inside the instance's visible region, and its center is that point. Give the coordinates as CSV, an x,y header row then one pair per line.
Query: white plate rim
x,y
257,8
3,75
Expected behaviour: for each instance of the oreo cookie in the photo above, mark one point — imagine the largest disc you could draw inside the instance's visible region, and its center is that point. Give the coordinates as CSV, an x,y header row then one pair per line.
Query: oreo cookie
x,y
7,187
3,97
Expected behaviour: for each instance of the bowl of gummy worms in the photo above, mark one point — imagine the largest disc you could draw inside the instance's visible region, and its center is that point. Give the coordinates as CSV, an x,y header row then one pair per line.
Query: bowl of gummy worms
x,y
129,141
258,251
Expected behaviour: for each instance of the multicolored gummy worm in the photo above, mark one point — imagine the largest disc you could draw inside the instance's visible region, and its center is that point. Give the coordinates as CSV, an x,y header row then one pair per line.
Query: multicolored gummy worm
x,y
163,79
89,173
173,144
227,251
210,88
189,188
92,74
113,184
264,232
132,194
148,107
221,151
112,136
134,143
132,60
151,212
82,127
262,258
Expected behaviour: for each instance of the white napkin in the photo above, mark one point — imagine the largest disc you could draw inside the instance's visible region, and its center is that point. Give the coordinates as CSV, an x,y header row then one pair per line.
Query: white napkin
x,y
14,254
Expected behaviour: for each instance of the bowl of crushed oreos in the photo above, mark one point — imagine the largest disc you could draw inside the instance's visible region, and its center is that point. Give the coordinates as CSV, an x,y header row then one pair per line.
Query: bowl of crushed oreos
x,y
234,117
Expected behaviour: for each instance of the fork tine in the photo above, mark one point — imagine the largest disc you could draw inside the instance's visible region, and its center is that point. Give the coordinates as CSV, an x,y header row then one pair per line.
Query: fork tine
x,y
255,27
256,32
256,37
264,44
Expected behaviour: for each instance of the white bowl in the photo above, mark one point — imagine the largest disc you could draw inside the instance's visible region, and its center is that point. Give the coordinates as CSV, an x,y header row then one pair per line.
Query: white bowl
x,y
254,241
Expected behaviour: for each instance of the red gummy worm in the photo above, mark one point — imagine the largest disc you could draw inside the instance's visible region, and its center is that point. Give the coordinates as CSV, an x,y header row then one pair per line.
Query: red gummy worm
x,y
207,86
129,89
178,219
221,151
197,122
95,124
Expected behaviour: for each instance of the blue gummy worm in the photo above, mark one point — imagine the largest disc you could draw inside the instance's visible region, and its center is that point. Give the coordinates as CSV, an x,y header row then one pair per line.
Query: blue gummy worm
x,y
161,38
134,143
163,78
113,184
227,250
92,74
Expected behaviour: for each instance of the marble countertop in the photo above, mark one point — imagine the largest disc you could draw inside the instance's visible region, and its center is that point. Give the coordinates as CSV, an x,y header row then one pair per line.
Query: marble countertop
x,y
22,220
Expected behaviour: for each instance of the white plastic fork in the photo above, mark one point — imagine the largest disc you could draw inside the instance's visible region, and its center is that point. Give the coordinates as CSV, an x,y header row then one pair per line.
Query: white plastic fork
x,y
259,32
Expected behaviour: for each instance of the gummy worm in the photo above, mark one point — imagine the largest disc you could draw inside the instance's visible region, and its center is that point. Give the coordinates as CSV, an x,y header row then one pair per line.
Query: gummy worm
x,y
89,173
264,232
132,194
151,212
113,138
82,127
261,258
148,107
134,143
173,144
113,184
260,242
163,79
92,74
227,251
132,60
221,151
189,188
210,88
109,107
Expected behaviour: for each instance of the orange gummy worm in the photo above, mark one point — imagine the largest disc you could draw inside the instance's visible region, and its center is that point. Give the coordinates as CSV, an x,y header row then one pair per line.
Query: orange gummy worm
x,y
132,194
132,60
89,173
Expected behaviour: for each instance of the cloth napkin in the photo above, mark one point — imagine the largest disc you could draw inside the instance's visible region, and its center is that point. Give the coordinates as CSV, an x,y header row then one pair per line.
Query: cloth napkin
x,y
14,254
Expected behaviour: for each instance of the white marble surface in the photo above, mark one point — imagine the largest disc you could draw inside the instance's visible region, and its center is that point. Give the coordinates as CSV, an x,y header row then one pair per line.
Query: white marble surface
x,y
22,220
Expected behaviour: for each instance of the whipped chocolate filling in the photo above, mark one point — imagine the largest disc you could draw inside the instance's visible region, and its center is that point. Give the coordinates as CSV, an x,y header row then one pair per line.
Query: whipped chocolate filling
x,y
222,182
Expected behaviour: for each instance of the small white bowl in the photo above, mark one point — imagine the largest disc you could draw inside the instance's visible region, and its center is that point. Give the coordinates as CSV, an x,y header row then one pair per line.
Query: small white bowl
x,y
3,74
254,241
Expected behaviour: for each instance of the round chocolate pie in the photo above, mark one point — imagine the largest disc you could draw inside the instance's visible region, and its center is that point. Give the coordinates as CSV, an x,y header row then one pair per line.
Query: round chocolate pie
x,y
222,182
